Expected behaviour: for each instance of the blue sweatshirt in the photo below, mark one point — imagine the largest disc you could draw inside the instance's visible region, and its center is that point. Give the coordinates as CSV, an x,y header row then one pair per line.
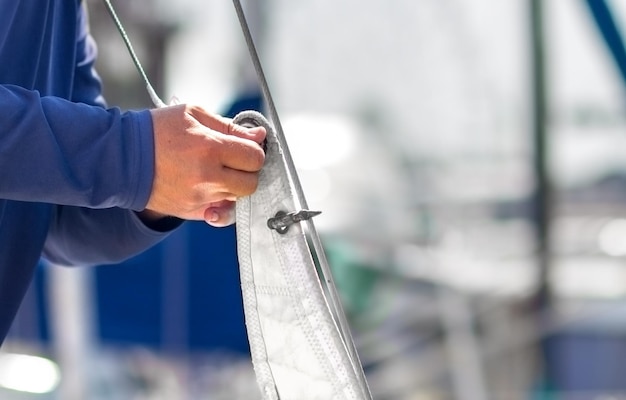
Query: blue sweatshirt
x,y
71,171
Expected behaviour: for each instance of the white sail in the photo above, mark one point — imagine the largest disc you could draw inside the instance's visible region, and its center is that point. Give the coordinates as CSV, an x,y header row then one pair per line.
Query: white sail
x,y
297,350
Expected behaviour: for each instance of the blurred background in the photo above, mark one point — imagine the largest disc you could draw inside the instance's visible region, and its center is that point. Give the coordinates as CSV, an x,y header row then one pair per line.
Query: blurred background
x,y
469,157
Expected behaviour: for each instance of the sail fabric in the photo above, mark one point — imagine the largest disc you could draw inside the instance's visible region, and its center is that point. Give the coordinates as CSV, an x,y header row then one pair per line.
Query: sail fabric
x,y
297,350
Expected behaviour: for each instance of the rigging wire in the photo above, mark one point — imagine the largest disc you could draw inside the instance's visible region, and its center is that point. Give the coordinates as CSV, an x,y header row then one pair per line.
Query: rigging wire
x,y
156,100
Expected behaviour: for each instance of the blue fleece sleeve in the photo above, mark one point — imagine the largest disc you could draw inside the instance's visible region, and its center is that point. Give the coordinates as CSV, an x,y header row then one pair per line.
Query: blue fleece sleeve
x,y
85,236
56,151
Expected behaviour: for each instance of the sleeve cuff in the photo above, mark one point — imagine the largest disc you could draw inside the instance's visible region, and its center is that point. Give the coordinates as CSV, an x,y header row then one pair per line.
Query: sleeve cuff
x,y
145,158
162,225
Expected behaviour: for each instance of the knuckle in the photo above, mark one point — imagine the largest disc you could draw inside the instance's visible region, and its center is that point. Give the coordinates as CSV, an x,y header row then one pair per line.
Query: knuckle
x,y
231,128
193,109
201,188
196,196
255,184
257,158
252,184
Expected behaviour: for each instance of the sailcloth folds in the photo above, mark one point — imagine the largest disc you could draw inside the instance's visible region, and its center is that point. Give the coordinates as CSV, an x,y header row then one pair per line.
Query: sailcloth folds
x,y
297,350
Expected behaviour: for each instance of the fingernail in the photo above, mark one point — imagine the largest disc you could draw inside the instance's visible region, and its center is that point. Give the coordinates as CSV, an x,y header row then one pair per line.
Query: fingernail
x,y
214,217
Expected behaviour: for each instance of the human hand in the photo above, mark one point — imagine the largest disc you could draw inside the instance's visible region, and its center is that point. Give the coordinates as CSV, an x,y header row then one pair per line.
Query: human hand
x,y
203,162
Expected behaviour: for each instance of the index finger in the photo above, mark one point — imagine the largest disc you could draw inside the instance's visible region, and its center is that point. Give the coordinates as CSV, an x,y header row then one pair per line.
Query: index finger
x,y
226,126
241,154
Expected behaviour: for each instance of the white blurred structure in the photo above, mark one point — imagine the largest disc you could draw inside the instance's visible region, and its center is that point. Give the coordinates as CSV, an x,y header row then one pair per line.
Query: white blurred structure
x,y
430,103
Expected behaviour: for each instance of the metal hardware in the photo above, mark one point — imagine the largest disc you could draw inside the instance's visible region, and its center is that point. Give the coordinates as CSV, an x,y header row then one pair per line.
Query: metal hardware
x,y
283,220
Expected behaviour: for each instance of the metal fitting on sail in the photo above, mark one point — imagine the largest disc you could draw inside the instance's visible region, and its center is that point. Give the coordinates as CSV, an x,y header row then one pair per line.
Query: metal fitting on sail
x,y
283,220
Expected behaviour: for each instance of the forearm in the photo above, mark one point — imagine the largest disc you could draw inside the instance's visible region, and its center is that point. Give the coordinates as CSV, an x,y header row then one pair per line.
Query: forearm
x,y
56,151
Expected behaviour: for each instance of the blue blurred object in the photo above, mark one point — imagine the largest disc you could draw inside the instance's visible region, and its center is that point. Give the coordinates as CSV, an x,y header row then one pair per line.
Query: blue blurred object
x,y
250,100
606,24
587,362
202,308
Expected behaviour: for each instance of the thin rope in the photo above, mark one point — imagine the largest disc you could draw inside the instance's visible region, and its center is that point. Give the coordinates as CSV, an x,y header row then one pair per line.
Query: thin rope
x,y
156,100
326,275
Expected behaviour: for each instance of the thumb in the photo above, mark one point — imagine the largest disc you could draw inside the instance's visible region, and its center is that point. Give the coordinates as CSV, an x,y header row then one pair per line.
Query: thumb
x,y
220,214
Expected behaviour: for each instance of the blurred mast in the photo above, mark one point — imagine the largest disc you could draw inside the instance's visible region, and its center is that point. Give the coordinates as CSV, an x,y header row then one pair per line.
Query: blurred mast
x,y
542,197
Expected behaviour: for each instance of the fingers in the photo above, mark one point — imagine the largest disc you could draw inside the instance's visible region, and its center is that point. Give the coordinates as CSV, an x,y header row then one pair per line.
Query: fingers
x,y
256,134
226,126
241,154
241,150
236,183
